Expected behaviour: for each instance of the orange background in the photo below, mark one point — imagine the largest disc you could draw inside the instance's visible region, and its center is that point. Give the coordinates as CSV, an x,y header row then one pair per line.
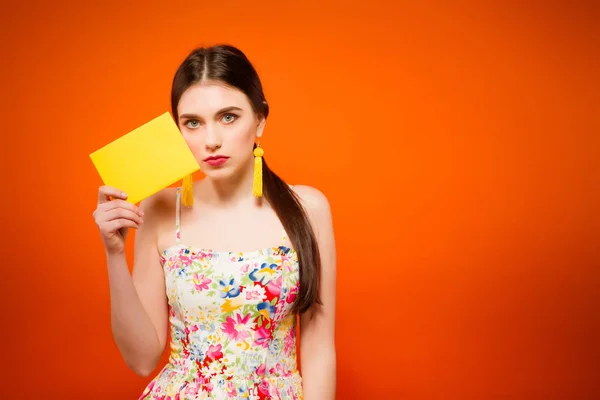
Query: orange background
x,y
458,145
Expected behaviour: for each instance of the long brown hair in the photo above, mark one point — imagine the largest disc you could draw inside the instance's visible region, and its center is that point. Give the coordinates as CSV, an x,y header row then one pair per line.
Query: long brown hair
x,y
229,65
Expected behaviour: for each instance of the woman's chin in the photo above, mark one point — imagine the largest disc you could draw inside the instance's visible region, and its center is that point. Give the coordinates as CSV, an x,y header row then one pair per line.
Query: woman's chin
x,y
217,174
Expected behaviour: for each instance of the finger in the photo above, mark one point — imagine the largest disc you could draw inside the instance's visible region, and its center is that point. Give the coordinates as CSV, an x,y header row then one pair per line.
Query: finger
x,y
116,224
121,213
106,192
120,204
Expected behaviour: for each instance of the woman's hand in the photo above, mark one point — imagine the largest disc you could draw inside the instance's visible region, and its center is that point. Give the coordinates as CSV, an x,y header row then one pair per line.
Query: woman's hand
x,y
114,216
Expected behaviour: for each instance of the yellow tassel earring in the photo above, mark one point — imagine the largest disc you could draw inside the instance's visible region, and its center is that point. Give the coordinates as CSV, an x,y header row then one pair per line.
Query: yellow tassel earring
x,y
257,184
187,197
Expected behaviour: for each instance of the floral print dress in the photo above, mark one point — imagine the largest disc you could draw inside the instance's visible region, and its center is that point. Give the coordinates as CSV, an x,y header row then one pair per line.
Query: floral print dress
x,y
232,333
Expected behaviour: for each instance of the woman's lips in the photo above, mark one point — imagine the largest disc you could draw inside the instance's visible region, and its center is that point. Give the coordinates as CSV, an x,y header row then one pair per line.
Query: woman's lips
x,y
216,160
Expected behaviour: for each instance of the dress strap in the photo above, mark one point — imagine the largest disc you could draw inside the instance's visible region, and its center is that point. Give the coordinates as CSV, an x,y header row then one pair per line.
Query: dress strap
x,y
178,216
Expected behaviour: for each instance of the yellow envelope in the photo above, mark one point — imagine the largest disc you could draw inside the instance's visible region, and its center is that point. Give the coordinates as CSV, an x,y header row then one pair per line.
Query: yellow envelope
x,y
146,160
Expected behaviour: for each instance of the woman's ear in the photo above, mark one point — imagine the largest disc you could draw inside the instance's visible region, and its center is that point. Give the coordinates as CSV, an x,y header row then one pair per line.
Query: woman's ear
x,y
261,126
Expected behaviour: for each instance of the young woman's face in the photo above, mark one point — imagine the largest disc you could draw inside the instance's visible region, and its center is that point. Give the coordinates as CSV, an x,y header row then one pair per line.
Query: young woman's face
x,y
220,127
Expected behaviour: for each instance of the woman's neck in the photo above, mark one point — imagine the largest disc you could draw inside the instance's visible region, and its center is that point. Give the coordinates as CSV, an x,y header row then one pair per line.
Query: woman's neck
x,y
232,191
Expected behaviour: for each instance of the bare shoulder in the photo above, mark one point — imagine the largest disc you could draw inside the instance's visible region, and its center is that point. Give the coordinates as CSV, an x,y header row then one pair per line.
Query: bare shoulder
x,y
159,205
315,202
159,211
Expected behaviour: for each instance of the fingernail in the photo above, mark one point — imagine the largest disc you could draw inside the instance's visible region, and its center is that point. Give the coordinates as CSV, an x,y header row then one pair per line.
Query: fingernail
x,y
141,213
123,194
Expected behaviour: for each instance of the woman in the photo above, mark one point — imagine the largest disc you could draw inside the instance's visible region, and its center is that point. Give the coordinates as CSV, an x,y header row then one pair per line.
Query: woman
x,y
231,269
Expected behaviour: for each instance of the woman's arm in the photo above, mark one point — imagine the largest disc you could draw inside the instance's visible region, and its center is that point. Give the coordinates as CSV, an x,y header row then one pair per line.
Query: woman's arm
x,y
317,327
139,313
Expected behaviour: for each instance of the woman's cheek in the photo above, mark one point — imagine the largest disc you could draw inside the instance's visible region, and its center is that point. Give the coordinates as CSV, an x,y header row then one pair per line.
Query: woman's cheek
x,y
193,143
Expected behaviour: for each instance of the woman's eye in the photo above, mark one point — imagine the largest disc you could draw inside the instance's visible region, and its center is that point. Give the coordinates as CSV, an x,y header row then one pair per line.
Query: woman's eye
x,y
229,118
192,124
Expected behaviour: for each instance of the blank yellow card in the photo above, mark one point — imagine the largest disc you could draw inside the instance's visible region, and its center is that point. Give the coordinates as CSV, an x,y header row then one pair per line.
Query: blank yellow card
x,y
146,160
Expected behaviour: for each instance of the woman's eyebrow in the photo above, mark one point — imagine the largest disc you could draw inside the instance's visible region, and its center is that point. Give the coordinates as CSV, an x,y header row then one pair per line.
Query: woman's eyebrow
x,y
221,111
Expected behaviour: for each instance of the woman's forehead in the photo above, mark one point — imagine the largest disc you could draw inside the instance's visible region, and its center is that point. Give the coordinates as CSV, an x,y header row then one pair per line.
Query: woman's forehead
x,y
209,98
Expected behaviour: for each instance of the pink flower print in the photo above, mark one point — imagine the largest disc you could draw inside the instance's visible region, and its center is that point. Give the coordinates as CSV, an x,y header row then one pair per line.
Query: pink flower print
x,y
274,392
255,293
214,352
201,282
264,387
205,254
245,268
239,328
193,328
231,390
280,371
260,371
262,337
288,342
185,258
191,389
292,295
275,286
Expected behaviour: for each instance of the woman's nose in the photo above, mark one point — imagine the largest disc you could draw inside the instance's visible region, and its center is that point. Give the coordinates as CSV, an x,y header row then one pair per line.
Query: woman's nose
x,y
213,138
